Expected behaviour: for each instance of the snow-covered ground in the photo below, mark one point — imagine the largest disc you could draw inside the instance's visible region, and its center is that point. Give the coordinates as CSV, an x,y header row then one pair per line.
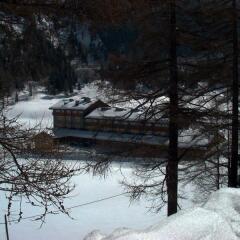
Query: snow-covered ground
x,y
106,215
35,110
217,219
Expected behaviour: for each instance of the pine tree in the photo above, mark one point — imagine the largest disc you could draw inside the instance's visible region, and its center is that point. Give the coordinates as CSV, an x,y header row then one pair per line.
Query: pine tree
x,y
233,176
172,165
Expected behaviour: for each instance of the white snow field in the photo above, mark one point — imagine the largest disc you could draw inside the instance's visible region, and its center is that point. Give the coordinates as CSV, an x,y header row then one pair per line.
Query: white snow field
x,y
217,219
116,212
106,215
35,110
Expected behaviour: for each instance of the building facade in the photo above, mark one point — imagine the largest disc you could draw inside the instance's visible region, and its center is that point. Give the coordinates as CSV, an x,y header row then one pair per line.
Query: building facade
x,y
95,122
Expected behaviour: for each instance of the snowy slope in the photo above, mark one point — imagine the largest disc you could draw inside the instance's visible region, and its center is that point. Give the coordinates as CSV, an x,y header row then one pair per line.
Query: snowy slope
x,y
35,111
218,218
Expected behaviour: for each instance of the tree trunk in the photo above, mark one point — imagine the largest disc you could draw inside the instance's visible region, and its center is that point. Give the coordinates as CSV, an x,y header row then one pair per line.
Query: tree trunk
x,y
16,97
234,151
30,89
172,167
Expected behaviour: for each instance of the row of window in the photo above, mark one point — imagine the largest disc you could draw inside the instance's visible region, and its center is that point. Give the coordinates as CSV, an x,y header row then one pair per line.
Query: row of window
x,y
123,122
111,121
110,124
121,127
68,112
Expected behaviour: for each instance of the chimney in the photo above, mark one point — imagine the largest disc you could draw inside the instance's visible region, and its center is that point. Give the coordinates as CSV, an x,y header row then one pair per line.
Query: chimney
x,y
77,103
86,99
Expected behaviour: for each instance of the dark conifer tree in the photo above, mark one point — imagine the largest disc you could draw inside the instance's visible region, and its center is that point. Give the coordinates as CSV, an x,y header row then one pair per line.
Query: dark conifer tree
x,y
233,176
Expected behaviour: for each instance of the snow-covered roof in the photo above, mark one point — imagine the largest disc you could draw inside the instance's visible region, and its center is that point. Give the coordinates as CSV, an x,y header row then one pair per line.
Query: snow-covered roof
x,y
192,137
117,113
112,136
114,112
74,104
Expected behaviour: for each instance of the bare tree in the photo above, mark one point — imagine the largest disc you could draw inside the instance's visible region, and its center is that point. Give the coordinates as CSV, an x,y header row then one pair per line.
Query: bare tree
x,y
163,65
44,180
168,27
233,176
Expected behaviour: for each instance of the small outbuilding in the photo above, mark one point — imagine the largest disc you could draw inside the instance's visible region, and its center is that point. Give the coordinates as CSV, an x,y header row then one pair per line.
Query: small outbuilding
x,y
43,142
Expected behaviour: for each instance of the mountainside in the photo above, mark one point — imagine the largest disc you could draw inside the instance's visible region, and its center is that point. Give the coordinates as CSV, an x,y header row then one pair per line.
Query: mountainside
x,y
51,52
